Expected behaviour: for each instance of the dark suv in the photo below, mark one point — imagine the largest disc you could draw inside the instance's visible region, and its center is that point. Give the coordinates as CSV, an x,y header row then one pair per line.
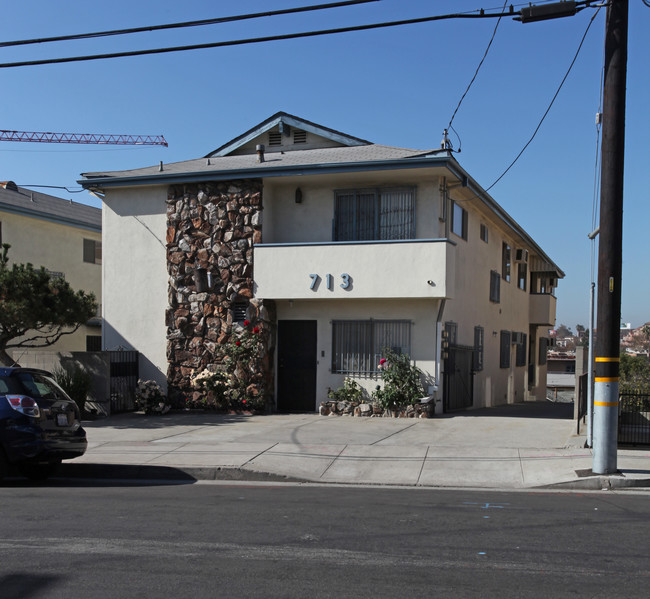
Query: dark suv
x,y
39,423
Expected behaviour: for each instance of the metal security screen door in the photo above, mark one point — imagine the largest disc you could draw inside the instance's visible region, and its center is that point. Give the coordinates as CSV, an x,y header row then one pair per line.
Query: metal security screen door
x,y
459,378
297,365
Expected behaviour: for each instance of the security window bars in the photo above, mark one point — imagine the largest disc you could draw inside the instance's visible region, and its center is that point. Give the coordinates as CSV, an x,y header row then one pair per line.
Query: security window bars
x,y
459,220
239,312
92,251
495,286
357,345
374,214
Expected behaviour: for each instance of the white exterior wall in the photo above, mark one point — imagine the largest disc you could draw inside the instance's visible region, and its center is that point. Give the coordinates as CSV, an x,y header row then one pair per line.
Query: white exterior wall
x,y
471,307
135,276
311,220
422,314
58,248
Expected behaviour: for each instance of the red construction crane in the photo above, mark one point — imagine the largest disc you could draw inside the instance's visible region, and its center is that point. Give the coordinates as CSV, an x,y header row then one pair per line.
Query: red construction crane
x,y
83,138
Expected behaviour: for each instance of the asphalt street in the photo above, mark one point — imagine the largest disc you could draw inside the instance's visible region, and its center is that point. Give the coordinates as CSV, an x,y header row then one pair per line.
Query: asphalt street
x,y
215,539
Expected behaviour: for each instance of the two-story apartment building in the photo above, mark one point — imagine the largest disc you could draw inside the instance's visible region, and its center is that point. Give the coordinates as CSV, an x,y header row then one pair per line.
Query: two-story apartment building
x,y
65,238
340,248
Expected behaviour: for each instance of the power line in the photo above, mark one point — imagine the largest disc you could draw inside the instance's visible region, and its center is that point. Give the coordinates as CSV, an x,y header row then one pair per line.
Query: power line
x,y
552,101
255,40
451,120
80,36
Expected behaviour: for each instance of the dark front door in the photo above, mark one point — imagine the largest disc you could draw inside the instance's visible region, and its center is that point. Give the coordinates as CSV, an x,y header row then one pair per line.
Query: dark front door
x,y
458,378
296,365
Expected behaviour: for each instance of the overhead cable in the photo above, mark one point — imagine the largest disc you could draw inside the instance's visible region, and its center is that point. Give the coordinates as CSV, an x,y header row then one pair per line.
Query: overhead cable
x,y
480,64
255,40
215,21
551,104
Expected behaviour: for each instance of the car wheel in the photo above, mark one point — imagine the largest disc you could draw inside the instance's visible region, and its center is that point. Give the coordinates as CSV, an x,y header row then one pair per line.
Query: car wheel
x,y
39,470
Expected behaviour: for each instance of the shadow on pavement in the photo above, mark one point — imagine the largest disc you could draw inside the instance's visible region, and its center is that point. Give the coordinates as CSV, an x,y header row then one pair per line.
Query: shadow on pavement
x,y
138,420
529,409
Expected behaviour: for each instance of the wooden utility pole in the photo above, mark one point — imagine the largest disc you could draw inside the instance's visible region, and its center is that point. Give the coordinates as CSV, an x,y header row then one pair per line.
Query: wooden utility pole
x,y
610,246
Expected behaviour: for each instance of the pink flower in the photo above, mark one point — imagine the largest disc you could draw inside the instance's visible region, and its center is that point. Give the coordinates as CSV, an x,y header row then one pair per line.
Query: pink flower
x,y
382,361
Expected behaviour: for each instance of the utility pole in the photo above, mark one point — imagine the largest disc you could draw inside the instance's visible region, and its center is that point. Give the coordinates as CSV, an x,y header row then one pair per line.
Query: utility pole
x,y
605,432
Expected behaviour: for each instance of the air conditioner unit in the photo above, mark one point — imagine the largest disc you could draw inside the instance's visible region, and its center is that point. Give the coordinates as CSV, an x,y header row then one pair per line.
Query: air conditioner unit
x,y
521,255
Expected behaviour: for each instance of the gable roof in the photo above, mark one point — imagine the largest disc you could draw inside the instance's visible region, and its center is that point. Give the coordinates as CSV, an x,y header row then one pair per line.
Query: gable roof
x,y
35,204
282,120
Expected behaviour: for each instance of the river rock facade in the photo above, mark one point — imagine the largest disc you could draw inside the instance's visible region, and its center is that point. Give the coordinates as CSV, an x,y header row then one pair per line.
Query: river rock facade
x,y
211,230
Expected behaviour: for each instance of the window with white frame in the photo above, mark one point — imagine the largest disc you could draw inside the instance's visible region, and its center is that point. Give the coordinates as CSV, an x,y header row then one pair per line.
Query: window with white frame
x,y
374,214
357,345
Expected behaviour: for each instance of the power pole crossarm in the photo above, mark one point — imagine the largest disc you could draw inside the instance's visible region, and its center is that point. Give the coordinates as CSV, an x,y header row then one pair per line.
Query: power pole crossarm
x,y
83,138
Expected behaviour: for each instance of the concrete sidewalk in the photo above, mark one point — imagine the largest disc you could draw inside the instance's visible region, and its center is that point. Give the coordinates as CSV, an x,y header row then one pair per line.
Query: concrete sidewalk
x,y
521,446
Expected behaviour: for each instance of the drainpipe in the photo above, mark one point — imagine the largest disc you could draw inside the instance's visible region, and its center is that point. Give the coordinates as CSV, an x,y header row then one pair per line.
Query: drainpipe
x,y
437,387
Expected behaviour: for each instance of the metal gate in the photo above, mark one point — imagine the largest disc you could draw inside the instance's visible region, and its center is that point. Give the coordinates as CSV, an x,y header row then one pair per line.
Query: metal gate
x,y
634,419
124,379
458,378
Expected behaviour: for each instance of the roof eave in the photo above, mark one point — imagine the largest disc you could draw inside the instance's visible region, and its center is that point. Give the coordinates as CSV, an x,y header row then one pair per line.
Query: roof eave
x,y
261,173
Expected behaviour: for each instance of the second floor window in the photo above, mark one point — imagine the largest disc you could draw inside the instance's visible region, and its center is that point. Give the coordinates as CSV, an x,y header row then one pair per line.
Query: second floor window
x,y
505,261
374,214
92,251
459,220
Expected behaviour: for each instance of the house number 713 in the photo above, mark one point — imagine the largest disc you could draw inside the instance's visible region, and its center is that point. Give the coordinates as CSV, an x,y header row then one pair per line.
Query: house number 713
x,y
329,281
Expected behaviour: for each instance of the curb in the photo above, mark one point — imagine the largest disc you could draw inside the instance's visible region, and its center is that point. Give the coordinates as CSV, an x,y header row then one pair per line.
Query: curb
x,y
170,473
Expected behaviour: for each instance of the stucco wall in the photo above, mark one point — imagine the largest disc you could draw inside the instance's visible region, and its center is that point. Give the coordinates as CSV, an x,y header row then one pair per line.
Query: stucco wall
x,y
58,248
135,276
422,314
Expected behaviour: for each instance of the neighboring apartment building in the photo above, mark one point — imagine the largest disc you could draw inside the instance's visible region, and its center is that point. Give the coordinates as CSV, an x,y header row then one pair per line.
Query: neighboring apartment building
x,y
63,236
339,248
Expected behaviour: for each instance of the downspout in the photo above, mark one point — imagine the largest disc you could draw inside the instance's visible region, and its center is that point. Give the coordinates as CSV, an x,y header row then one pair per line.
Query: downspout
x,y
437,387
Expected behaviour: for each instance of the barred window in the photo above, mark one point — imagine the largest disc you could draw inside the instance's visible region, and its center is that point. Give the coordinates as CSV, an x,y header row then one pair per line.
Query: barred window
x,y
374,214
357,345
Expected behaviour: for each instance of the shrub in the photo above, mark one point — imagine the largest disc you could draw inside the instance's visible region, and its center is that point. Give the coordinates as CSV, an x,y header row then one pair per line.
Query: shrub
x,y
350,391
402,381
76,383
150,398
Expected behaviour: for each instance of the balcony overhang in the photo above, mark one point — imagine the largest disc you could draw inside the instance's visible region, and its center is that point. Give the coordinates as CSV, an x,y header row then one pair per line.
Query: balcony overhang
x,y
360,270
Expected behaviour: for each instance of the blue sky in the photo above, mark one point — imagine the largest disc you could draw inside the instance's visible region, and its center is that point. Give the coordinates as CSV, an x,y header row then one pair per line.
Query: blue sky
x,y
395,86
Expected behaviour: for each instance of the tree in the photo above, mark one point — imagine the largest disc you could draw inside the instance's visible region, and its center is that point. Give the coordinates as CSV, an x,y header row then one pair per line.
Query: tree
x,y
635,373
564,331
36,310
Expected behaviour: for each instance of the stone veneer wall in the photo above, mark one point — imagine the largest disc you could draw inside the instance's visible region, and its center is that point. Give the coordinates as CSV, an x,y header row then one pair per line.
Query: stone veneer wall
x,y
211,229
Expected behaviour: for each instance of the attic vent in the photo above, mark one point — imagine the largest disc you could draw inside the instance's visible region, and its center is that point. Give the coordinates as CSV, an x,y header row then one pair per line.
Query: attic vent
x,y
275,138
299,136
